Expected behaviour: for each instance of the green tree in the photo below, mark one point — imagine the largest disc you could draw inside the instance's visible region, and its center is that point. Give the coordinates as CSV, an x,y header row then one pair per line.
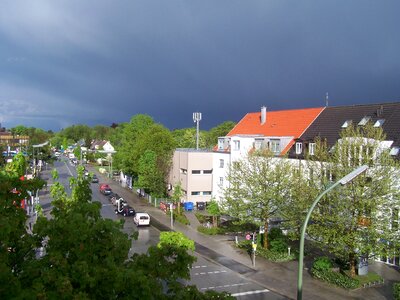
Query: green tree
x,y
214,210
177,195
352,221
149,176
186,138
259,184
18,165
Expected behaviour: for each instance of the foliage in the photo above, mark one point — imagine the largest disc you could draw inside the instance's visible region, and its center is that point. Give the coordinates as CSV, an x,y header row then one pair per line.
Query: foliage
x,y
322,263
222,129
258,187
208,231
177,239
186,138
84,255
396,291
150,178
177,195
18,165
181,218
278,245
266,253
335,278
214,210
202,218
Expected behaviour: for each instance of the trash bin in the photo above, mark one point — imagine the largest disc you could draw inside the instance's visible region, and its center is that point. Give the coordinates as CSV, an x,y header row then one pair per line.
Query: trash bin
x,y
201,205
188,206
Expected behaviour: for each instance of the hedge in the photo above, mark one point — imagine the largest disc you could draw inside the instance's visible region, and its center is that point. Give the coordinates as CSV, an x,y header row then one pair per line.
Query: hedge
x,y
396,291
335,278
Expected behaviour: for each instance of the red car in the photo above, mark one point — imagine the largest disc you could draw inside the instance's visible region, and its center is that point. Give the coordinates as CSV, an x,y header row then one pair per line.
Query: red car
x,y
105,189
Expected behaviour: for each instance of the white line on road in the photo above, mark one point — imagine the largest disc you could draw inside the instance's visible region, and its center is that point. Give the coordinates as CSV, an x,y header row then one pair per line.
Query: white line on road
x,y
224,286
213,272
250,293
107,204
70,173
197,267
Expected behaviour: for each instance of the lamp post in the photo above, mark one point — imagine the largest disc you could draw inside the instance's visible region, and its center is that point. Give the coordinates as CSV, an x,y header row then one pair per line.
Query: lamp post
x,y
346,179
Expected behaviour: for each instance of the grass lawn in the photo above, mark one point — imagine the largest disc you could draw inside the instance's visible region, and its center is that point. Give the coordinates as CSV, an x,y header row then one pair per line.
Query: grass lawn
x,y
365,280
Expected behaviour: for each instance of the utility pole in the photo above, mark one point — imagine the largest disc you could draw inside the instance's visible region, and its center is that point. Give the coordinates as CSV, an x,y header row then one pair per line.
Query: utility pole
x,y
197,119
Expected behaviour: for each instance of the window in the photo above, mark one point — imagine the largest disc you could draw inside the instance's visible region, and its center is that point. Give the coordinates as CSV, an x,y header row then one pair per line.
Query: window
x,y
311,148
196,171
221,180
236,145
299,148
221,163
220,144
195,193
364,121
258,144
346,123
379,123
207,172
275,146
207,193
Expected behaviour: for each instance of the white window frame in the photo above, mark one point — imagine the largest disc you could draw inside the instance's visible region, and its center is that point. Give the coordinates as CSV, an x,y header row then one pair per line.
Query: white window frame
x,y
299,148
236,145
311,148
275,145
221,163
221,181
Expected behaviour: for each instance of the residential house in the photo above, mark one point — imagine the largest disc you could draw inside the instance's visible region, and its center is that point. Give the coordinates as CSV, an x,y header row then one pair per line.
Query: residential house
x,y
273,130
333,120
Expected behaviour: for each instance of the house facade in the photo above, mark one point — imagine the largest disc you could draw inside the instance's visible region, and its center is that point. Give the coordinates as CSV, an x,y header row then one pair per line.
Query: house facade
x,y
193,170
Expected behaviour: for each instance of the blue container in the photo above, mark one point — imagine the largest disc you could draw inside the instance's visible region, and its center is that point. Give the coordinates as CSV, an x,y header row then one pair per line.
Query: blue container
x,y
188,206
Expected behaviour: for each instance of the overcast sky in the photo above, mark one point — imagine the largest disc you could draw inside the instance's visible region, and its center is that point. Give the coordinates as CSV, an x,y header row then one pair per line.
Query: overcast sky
x,y
97,62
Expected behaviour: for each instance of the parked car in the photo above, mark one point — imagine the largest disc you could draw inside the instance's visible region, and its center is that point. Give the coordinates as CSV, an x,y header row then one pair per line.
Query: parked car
x,y
125,210
105,189
95,179
141,219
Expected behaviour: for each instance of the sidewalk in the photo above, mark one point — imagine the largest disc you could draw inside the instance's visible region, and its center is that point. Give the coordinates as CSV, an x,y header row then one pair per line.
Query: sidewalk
x,y
280,278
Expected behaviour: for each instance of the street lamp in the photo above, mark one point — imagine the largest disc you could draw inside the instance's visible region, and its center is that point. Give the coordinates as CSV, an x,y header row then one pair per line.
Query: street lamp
x,y
346,179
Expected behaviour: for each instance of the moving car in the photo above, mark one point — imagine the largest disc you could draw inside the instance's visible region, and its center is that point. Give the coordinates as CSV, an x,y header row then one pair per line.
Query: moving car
x,y
141,219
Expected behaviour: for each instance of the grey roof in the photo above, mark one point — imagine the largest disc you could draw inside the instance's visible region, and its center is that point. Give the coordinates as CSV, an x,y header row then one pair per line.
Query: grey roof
x,y
328,124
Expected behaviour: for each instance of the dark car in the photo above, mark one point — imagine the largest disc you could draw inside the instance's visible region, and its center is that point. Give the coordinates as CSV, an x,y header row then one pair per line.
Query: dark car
x,y
95,179
126,211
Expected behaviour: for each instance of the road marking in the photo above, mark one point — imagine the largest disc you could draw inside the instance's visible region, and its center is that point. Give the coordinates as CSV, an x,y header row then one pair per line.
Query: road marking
x,y
250,293
70,173
225,286
106,204
212,272
197,267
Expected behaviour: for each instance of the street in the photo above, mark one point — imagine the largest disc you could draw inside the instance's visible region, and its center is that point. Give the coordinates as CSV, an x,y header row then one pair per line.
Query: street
x,y
206,273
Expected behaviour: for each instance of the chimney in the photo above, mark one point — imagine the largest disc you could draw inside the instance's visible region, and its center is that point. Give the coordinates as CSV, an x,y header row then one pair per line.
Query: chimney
x,y
263,115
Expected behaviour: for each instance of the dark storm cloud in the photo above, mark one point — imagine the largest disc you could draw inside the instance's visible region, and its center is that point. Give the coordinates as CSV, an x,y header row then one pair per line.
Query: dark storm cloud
x,y
98,62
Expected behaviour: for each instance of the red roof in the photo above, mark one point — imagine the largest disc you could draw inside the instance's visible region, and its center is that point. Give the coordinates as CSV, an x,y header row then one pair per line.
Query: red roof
x,y
278,123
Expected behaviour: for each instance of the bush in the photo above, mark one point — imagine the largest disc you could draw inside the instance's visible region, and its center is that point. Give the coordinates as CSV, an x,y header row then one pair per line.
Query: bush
x,y
181,219
396,291
278,245
202,218
276,233
209,231
335,278
274,255
322,264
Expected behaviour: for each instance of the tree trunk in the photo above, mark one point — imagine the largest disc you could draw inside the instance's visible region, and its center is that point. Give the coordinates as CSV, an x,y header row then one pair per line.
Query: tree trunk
x,y
215,223
179,207
265,244
352,263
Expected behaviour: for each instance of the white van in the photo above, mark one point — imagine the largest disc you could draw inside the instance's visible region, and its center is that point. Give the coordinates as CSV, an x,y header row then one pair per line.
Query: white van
x,y
141,219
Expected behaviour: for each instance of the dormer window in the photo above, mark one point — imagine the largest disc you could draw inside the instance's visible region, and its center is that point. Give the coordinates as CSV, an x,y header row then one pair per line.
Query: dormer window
x,y
394,151
379,123
221,144
364,121
346,123
299,148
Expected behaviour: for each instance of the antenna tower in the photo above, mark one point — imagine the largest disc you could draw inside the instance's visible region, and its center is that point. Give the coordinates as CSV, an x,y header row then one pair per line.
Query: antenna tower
x,y
197,119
